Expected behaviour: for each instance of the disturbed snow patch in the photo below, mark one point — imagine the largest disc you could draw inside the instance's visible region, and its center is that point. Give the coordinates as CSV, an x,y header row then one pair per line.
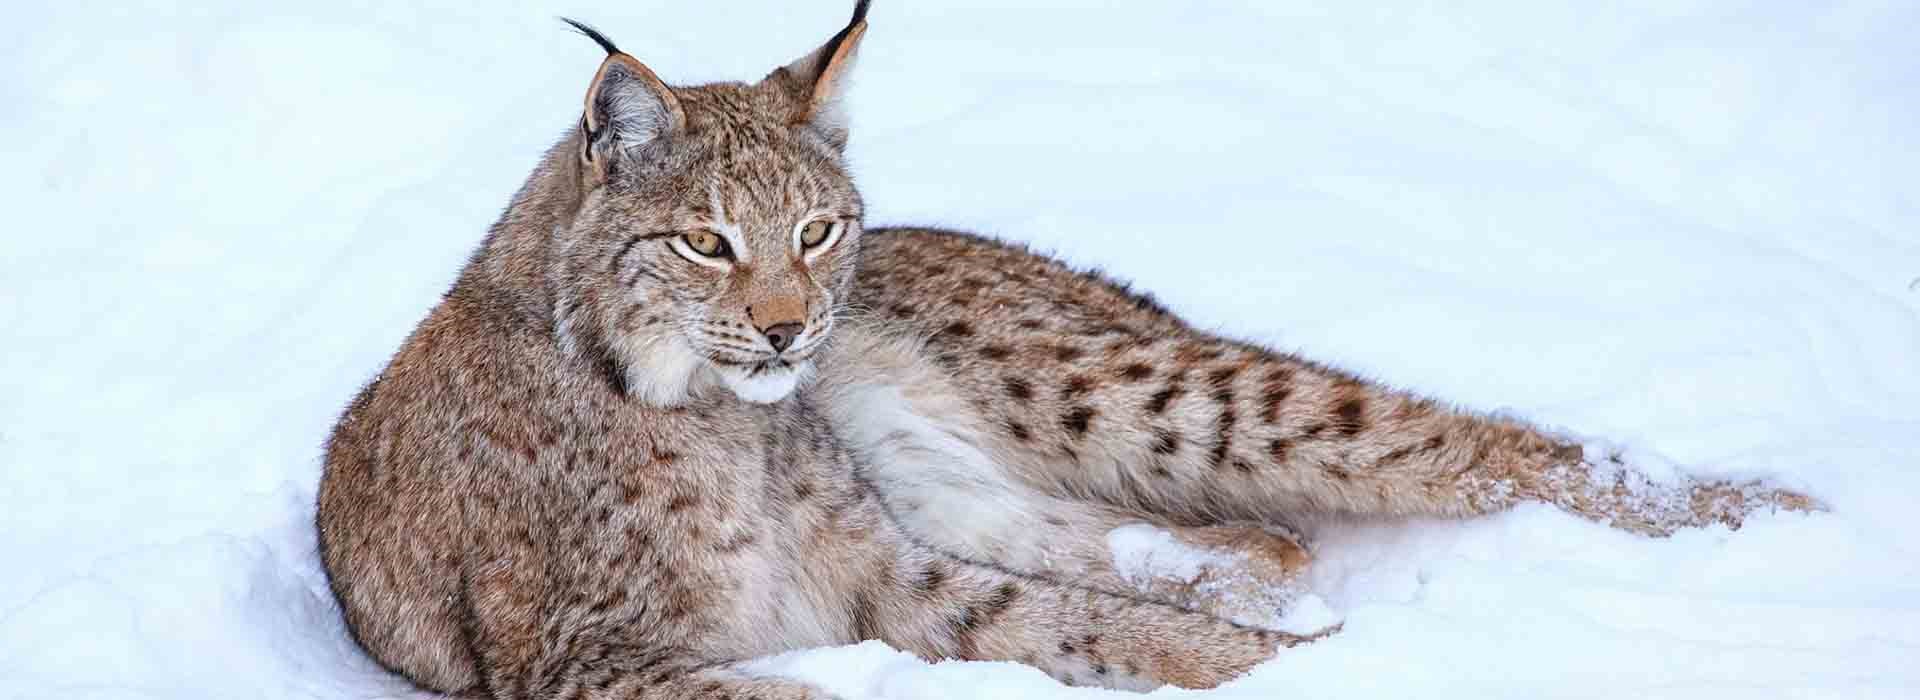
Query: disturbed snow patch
x,y
1144,554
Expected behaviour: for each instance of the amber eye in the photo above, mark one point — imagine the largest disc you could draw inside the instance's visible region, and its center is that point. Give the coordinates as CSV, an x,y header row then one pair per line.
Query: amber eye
x,y
815,233
706,243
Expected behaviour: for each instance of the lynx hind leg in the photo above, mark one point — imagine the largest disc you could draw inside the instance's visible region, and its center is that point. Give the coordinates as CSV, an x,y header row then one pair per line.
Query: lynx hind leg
x,y
954,609
1248,574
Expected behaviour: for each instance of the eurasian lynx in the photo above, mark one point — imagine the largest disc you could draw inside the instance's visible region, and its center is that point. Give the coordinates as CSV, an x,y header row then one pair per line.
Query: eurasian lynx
x,y
644,438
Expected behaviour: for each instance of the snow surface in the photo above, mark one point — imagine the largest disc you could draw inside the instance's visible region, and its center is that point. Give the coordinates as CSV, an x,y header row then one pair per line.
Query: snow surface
x,y
1689,227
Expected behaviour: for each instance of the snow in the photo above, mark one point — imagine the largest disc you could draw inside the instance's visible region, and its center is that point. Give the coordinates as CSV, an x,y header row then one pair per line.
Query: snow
x,y
1142,552
1687,227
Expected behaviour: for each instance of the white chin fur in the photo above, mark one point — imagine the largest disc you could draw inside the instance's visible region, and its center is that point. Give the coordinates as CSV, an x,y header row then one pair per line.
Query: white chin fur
x,y
766,386
670,374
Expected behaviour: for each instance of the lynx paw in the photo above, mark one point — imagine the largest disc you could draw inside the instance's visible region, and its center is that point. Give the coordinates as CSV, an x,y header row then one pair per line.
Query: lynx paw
x,y
1606,486
1244,573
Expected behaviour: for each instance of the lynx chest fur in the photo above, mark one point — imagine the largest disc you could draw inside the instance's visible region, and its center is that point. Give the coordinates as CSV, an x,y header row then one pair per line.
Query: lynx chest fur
x,y
716,520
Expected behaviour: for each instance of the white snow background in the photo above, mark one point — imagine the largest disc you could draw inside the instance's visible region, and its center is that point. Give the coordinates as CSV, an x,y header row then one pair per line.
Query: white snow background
x,y
1690,227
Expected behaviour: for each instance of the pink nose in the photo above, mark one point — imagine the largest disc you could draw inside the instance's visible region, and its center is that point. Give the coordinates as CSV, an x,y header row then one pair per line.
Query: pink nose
x,y
781,335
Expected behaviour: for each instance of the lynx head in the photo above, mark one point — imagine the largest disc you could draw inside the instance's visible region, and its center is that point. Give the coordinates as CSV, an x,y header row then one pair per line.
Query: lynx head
x,y
716,227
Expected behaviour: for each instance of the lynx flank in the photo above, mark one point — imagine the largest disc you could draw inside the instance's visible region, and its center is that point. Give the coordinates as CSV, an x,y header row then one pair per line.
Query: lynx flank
x,y
645,437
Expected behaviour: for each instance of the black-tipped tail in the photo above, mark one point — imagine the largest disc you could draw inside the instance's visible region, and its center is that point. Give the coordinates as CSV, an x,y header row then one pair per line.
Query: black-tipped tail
x,y
589,32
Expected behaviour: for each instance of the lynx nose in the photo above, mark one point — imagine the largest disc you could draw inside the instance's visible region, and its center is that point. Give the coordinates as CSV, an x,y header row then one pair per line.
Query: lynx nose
x,y
781,334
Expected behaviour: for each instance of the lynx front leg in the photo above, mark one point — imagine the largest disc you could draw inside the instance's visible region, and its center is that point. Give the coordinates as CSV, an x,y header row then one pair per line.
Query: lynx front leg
x,y
946,608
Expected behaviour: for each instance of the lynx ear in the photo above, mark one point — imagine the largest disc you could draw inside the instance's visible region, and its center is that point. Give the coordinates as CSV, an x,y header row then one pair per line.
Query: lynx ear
x,y
627,108
817,82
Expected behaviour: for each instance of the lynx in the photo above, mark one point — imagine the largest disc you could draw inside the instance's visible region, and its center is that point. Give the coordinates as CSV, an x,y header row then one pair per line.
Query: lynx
x,y
681,410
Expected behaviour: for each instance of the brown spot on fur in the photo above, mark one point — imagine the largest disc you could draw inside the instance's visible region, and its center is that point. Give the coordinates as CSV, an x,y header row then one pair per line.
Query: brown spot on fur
x,y
1165,442
1223,396
1158,402
1279,449
931,578
1194,354
1274,393
1031,324
957,329
979,616
1018,430
1076,385
1395,455
1067,353
1108,329
1224,429
1019,389
1224,422
682,502
996,352
1349,415
1077,420
1136,372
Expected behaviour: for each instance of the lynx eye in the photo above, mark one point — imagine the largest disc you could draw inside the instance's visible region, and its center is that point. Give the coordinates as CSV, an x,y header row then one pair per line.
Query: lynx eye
x,y
815,234
706,243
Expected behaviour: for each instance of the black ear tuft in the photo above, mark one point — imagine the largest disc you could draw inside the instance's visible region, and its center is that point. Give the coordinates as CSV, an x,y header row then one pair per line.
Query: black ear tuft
x,y
589,32
833,45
